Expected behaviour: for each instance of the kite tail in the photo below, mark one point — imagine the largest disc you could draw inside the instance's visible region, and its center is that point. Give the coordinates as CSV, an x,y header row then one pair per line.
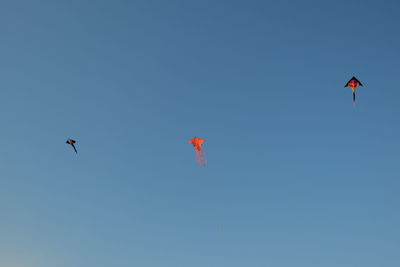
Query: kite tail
x,y
354,97
201,157
75,148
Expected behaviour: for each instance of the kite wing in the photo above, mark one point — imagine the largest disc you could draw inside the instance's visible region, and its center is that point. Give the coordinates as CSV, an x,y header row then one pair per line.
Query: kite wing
x,y
353,79
197,141
200,141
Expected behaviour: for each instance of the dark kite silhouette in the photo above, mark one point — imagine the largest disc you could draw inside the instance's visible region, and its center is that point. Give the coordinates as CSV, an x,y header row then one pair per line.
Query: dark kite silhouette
x,y
72,143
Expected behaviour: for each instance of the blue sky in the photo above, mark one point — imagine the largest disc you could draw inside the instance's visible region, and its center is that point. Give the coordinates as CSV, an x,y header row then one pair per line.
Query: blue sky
x,y
296,175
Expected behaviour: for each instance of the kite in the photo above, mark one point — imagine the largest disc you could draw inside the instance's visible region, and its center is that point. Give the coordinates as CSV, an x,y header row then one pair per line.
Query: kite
x,y
72,143
353,83
200,156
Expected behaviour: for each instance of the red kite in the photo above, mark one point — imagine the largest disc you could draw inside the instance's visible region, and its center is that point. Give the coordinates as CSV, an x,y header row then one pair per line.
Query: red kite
x,y
353,83
72,143
200,156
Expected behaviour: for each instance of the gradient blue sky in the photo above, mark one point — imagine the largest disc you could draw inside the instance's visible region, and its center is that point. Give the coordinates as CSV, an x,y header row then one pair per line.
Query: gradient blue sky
x,y
297,176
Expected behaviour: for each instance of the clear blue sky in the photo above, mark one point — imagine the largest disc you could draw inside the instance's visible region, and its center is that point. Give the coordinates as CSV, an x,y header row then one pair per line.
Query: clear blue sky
x,y
296,175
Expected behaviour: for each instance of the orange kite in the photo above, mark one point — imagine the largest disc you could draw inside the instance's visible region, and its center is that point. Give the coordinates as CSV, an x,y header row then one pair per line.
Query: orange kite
x,y
200,155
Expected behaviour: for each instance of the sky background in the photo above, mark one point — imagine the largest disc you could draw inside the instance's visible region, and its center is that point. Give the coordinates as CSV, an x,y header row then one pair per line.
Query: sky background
x,y
296,175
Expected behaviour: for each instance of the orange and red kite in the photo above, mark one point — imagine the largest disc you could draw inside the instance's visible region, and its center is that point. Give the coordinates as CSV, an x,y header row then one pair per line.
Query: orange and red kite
x,y
353,83
200,156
